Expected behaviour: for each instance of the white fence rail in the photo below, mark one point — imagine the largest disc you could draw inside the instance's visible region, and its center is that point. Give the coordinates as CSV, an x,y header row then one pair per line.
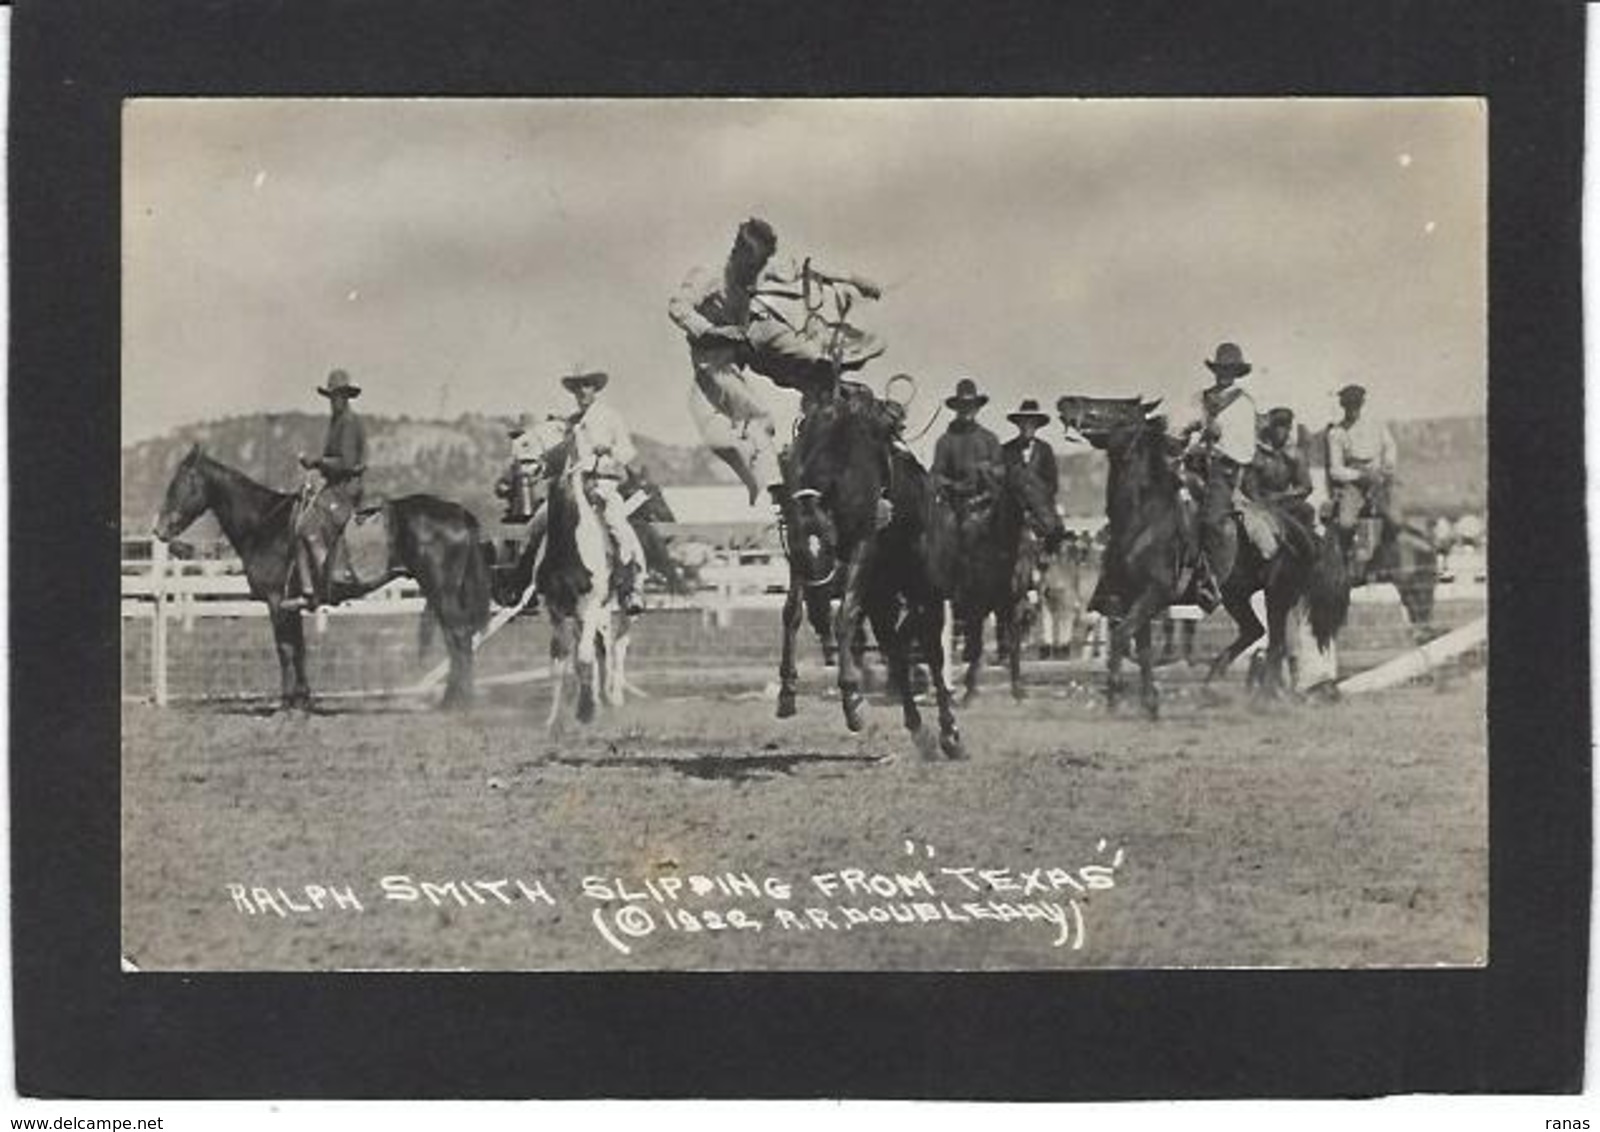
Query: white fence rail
x,y
161,590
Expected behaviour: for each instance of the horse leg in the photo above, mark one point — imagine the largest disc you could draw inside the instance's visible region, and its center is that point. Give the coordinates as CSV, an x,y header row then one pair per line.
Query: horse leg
x,y
846,623
1116,648
560,651
289,638
458,639
793,610
819,612
616,686
1149,696
584,664
1237,603
1014,651
616,633
892,645
927,618
1281,600
972,619
859,648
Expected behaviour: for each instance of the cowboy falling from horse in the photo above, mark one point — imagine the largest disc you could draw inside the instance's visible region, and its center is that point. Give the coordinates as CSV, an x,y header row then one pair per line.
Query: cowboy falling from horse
x,y
759,314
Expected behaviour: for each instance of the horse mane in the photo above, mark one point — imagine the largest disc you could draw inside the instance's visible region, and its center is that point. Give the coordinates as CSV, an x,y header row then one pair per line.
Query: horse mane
x,y
233,476
1138,468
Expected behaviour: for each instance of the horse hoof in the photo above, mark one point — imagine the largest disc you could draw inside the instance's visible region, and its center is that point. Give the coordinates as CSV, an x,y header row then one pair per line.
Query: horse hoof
x,y
852,711
1152,711
1019,693
968,696
586,709
950,744
927,746
786,706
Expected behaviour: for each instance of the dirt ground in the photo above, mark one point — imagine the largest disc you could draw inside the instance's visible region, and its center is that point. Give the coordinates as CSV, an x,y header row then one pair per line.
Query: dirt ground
x,y
1346,835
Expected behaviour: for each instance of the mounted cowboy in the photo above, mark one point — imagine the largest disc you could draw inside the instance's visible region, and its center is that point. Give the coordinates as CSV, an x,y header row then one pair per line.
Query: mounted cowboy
x,y
754,314
330,495
1278,475
520,486
1361,466
602,447
1219,432
967,460
1027,452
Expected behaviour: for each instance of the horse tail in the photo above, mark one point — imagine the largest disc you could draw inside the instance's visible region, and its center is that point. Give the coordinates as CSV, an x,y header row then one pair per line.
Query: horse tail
x,y
425,627
476,581
1328,590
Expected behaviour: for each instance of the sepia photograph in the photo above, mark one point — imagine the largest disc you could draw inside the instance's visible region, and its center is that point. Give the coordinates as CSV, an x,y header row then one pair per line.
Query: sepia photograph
x,y
874,534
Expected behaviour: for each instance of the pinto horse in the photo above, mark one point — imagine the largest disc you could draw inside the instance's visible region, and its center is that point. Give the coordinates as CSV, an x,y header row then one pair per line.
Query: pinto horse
x,y
571,570
1001,544
866,511
431,540
1149,543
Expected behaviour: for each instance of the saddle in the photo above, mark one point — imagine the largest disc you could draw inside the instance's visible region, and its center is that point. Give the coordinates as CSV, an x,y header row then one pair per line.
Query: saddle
x,y
359,558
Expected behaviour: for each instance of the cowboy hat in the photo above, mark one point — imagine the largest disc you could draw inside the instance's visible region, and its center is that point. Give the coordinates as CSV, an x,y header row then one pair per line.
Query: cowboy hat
x,y
1029,411
967,395
596,381
339,385
1230,360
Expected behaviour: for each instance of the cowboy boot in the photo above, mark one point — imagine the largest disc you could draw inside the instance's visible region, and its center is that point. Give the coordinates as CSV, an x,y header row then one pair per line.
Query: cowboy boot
x,y
298,586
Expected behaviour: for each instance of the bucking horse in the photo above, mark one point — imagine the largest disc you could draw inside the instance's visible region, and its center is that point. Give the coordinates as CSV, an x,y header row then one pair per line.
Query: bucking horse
x,y
864,511
1152,542
431,540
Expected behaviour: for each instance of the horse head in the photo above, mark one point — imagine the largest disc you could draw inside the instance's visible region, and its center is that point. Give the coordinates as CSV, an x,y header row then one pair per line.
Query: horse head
x,y
186,499
1098,419
814,541
842,461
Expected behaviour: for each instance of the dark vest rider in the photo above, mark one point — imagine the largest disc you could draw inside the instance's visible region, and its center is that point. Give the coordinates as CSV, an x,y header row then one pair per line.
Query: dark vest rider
x,y
332,494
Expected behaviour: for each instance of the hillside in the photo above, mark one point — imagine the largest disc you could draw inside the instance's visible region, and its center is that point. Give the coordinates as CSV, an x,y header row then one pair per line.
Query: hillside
x,y
1444,467
457,459
1443,461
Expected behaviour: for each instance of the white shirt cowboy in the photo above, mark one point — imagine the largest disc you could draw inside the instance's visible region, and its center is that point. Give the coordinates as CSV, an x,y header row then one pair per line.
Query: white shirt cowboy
x,y
1357,449
1234,425
601,441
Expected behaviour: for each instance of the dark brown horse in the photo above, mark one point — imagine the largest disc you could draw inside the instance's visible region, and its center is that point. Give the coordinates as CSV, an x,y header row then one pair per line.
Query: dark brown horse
x,y
866,512
431,540
1151,540
1001,541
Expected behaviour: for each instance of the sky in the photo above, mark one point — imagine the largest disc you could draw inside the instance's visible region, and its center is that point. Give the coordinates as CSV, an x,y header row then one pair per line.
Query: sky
x,y
459,255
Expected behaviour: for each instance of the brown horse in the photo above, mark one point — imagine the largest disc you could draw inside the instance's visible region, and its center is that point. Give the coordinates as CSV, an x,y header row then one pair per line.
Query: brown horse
x,y
1002,541
1151,540
431,540
867,512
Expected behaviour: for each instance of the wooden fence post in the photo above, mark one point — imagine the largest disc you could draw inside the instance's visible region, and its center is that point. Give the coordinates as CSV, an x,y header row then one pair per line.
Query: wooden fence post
x,y
158,625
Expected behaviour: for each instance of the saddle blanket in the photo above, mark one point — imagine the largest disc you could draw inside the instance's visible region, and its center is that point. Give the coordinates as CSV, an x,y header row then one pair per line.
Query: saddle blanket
x,y
1260,525
361,557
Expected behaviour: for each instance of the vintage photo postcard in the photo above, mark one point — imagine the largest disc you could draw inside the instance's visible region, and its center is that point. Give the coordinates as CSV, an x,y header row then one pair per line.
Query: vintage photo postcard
x,y
773,534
